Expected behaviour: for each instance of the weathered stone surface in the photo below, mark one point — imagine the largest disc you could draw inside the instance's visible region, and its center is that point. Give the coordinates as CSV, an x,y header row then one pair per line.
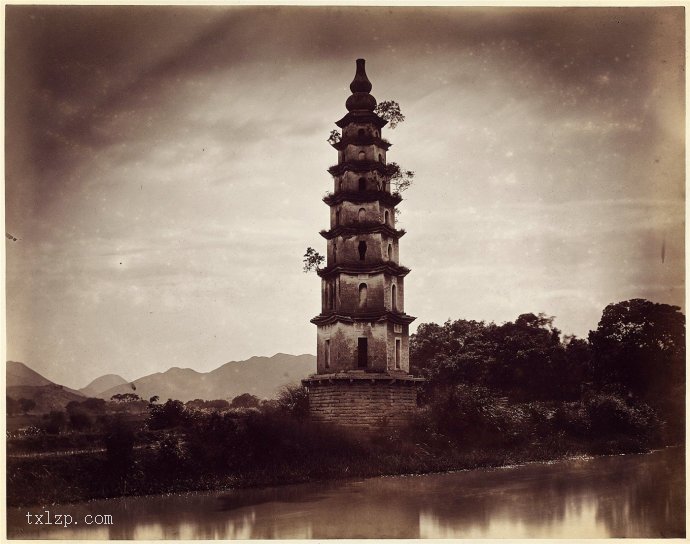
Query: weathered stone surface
x,y
362,403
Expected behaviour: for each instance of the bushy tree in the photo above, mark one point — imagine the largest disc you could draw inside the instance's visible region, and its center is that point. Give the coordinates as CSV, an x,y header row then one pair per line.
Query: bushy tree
x,y
246,400
168,415
294,399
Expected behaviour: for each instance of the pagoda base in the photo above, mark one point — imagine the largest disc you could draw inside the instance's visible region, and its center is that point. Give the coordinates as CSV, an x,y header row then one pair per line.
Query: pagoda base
x,y
362,400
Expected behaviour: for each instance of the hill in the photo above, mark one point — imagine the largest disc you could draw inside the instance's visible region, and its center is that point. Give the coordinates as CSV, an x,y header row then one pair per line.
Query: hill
x,y
20,374
47,397
260,376
101,384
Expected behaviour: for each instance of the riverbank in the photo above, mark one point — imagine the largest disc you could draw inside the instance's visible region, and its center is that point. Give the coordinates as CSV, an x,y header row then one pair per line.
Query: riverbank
x,y
172,465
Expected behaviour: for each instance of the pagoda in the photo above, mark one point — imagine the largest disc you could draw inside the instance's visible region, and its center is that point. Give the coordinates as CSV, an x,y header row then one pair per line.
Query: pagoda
x,y
362,376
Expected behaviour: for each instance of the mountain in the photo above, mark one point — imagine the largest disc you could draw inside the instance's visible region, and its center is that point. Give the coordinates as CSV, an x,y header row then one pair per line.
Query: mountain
x,y
101,384
20,374
22,382
260,376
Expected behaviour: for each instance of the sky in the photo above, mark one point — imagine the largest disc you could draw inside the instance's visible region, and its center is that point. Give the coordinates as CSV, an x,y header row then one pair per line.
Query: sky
x,y
165,168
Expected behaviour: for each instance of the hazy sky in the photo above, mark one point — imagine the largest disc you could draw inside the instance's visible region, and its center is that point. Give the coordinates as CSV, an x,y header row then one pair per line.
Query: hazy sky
x,y
165,168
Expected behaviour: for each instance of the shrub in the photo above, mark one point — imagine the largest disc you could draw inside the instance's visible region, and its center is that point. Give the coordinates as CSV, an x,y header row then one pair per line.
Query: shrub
x,y
294,400
55,421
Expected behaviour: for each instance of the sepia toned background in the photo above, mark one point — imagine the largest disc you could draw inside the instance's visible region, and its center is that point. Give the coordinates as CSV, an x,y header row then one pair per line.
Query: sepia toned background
x,y
165,166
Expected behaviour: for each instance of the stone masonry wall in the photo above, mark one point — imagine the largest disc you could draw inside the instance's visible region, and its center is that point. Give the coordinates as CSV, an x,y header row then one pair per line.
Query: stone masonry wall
x,y
363,403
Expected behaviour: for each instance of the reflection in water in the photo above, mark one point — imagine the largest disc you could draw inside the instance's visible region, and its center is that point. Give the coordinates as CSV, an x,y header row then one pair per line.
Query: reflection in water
x,y
618,496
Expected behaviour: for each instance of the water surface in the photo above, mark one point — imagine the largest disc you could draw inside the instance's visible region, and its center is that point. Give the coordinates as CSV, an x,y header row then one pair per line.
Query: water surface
x,y
615,496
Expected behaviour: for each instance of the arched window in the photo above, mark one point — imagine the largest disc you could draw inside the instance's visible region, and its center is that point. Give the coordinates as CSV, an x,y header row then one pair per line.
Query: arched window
x,y
394,301
362,184
335,253
376,133
390,252
362,155
362,295
362,248
331,290
361,215
340,185
380,157
385,217
337,217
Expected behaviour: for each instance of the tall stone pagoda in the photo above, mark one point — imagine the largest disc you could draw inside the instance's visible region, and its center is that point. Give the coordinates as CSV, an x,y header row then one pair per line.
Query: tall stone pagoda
x,y
362,377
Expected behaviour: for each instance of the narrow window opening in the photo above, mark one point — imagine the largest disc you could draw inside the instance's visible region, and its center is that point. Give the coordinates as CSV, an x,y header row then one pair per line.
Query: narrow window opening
x,y
337,218
362,155
397,353
362,295
362,184
390,252
331,296
394,301
327,357
361,215
380,157
385,217
362,248
362,356
360,132
335,253
340,185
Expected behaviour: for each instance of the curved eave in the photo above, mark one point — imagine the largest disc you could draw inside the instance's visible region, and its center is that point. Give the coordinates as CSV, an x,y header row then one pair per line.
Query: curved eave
x,y
388,268
361,117
342,144
389,199
334,317
355,230
358,166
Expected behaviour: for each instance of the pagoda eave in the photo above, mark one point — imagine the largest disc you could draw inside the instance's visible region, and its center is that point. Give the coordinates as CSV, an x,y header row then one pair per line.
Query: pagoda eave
x,y
371,317
361,117
389,268
362,229
362,140
358,167
388,199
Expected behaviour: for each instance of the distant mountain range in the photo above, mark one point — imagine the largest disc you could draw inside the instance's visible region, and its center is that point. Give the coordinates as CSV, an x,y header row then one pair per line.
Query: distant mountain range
x,y
260,376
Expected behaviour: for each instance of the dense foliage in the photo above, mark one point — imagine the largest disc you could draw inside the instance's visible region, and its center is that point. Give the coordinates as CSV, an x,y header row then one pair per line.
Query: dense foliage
x,y
485,381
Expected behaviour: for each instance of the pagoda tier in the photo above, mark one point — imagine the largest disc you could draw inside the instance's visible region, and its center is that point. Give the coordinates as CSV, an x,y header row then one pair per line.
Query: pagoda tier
x,y
362,325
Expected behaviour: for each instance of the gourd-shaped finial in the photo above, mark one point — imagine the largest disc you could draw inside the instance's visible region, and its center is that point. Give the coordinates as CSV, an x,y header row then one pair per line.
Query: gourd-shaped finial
x,y
360,99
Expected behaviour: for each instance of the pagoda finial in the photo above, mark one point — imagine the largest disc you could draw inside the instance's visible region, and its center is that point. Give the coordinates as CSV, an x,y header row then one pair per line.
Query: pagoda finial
x,y
360,99
361,83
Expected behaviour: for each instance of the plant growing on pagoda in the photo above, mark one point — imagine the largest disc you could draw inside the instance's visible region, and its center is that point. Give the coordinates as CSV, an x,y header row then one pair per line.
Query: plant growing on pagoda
x,y
390,111
312,260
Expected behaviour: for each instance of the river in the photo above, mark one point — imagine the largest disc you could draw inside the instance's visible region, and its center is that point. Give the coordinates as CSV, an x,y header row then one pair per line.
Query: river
x,y
613,496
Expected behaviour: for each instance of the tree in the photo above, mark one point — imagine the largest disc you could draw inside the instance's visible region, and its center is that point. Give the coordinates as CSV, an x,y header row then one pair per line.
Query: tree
x,y
165,416
312,260
246,400
154,399
26,405
294,400
390,111
640,345
125,397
